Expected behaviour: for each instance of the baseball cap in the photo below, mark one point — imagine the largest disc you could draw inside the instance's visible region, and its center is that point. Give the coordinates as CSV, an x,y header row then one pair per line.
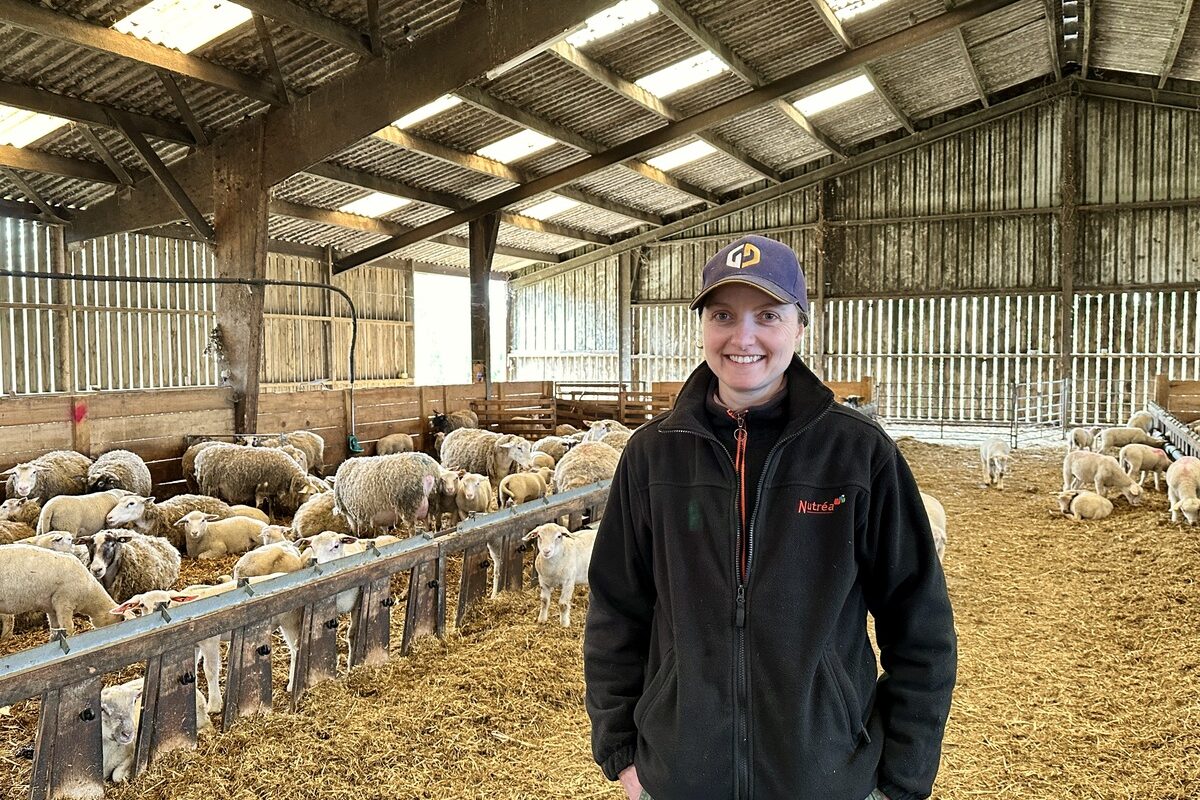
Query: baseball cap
x,y
760,262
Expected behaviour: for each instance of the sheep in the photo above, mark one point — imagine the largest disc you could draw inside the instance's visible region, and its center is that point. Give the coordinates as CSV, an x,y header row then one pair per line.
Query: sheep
x,y
188,464
268,559
275,533
1116,438
1143,459
59,542
14,531
1103,471
485,453
251,512
586,463
937,522
1141,419
565,429
520,487
49,475
120,714
597,430
209,536
1081,504
375,492
295,454
448,423
119,469
616,439
562,561
994,454
252,475
474,495
1082,438
312,445
128,563
541,460
443,499
394,443
81,514
146,516
547,476
554,446
439,439
25,510
1183,489
317,515
56,584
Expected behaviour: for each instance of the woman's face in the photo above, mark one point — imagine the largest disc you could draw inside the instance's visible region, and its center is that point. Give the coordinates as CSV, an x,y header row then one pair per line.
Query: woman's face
x,y
749,339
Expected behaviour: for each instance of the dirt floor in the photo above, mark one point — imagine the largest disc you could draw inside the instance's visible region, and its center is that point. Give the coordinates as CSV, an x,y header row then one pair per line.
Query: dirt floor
x,y
1079,676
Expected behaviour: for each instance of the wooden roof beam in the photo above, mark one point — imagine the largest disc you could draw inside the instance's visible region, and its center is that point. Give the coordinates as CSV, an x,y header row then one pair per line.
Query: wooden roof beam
x,y
118,170
1176,40
48,211
88,113
322,27
47,163
898,42
268,48
181,105
1086,34
974,73
1054,29
44,22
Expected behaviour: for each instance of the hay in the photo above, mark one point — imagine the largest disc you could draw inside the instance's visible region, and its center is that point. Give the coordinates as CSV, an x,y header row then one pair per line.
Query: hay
x,y
1079,676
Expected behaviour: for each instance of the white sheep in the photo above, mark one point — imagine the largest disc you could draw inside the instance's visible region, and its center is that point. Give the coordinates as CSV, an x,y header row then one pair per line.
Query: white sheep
x,y
586,463
1140,460
554,446
1082,438
295,454
55,584
1081,467
994,455
120,713
1080,504
937,522
273,534
188,463
146,516
60,542
14,531
1183,489
562,562
248,511
209,536
394,443
541,459
49,475
313,446
252,476
385,492
521,487
128,563
1142,419
485,453
80,514
565,430
25,510
317,515
1116,438
119,469
597,430
474,495
617,439
268,559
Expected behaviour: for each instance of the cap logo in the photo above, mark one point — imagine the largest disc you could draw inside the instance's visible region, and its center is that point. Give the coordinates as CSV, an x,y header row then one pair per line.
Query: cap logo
x,y
745,256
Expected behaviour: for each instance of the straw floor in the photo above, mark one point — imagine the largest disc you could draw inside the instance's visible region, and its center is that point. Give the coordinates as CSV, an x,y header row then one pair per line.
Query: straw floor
x,y
1079,676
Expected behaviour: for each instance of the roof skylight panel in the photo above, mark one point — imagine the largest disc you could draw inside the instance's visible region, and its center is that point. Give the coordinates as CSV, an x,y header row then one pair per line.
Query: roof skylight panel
x,y
183,24
20,128
848,9
443,103
681,155
679,76
515,147
611,20
834,96
376,204
548,208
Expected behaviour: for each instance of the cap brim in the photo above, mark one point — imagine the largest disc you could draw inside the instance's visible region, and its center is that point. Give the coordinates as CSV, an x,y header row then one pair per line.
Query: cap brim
x,y
749,280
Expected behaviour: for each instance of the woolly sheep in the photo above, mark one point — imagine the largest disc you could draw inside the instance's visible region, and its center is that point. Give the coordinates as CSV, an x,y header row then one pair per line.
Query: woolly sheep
x,y
188,464
49,475
520,487
251,512
269,559
443,500
597,430
252,475
586,463
383,492
541,460
1183,489
1138,460
448,423
317,515
146,516
1080,504
1142,419
994,454
616,439
312,445
937,522
474,495
565,430
14,531
562,562
128,563
209,536
554,446
394,443
55,584
1081,467
1116,438
1082,438
120,714
119,469
21,509
295,454
485,453
81,514
275,533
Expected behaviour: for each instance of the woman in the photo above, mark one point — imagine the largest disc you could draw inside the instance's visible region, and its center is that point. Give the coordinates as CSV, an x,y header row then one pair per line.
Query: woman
x,y
747,534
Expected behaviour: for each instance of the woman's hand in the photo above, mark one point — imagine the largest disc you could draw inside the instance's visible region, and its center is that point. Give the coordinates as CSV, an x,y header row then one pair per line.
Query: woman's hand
x,y
629,781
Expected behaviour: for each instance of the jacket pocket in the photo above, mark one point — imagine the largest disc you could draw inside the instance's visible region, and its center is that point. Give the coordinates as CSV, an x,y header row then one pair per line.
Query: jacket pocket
x,y
654,690
848,697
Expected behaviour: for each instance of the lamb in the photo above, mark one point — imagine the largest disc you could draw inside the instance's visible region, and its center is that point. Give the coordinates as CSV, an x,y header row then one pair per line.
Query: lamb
x,y
146,516
1142,459
554,446
252,475
1116,438
443,500
56,584
188,465
1142,419
394,443
448,423
128,563
616,439
14,531
269,559
49,475
1183,489
994,454
521,487
439,439
1080,504
541,460
21,509
249,511
275,533
597,430
1103,471
209,536
1082,438
81,515
317,515
474,495
119,469
562,561
312,445
485,453
586,463
375,492
565,430
120,713
60,542
937,522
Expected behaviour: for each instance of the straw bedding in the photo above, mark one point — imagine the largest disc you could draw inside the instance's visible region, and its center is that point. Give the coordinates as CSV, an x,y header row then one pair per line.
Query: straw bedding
x,y
1079,676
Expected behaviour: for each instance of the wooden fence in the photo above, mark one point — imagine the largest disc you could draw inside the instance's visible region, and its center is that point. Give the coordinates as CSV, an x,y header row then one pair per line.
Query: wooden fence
x,y
1181,398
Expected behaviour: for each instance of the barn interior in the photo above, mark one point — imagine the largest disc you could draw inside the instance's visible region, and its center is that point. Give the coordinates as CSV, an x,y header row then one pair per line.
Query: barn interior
x,y
344,217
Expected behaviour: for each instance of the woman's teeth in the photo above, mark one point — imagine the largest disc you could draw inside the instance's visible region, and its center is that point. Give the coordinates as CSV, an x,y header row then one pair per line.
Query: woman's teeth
x,y
744,359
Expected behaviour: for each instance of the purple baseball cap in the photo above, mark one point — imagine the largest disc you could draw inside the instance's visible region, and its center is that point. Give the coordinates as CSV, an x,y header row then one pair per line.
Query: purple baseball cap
x,y
760,262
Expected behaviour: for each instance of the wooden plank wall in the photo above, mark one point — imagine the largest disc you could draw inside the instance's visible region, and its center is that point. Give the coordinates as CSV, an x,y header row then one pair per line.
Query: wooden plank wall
x,y
1181,398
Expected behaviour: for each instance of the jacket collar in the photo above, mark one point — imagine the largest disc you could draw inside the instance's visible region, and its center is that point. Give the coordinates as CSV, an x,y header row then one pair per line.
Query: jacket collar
x,y
807,398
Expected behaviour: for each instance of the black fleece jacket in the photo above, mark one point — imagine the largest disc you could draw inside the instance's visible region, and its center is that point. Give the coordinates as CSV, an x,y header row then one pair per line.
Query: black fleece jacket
x,y
768,688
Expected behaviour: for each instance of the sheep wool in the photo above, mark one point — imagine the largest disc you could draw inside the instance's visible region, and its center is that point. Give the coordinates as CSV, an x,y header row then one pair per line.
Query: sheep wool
x,y
384,491
119,469
54,473
586,463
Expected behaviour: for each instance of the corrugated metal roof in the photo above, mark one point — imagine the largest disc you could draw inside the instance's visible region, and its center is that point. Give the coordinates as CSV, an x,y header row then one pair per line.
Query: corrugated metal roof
x,y
1133,35
890,17
1187,62
716,172
644,47
852,121
384,159
465,128
584,217
920,90
766,134
618,183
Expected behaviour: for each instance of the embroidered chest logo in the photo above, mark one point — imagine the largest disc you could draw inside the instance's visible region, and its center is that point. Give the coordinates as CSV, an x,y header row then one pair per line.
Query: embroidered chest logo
x,y
820,506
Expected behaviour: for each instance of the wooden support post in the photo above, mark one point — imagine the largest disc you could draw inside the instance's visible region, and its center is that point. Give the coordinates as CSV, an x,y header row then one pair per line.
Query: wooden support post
x,y
248,675
483,233
67,760
830,255
372,629
60,293
425,584
168,706
1068,234
317,660
625,264
473,585
241,238
512,561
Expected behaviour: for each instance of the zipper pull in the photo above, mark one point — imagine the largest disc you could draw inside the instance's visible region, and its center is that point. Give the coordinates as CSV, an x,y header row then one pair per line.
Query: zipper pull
x,y
740,615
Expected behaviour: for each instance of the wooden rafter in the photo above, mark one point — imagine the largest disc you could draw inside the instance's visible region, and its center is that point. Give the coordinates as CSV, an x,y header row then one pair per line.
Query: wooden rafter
x,y
47,163
268,48
1176,40
118,170
44,22
297,16
88,113
1085,33
971,70
48,210
181,105
1054,30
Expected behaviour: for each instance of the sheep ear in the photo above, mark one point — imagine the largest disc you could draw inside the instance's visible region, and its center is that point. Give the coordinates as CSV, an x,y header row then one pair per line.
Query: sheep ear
x,y
211,518
305,542
121,609
180,521
349,539
529,537
183,598
149,499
